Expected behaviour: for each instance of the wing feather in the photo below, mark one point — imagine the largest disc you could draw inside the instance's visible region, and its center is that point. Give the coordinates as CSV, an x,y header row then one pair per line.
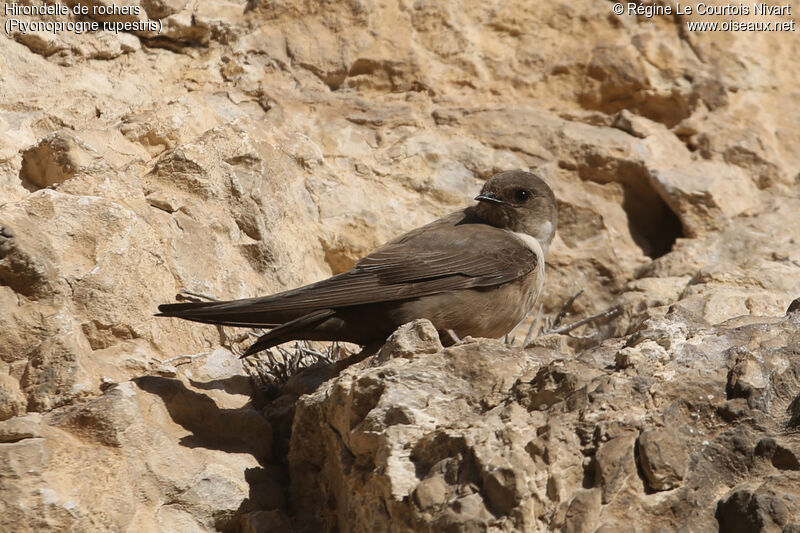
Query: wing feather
x,y
429,260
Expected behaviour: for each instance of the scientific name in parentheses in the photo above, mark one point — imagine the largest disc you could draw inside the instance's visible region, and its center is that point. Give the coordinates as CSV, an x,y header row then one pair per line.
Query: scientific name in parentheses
x,y
758,8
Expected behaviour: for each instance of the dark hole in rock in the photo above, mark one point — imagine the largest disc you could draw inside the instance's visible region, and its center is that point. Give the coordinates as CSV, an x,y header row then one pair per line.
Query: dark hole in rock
x,y
654,227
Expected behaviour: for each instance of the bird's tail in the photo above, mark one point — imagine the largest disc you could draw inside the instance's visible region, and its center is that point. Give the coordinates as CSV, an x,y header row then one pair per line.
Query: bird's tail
x,y
289,331
239,313
231,313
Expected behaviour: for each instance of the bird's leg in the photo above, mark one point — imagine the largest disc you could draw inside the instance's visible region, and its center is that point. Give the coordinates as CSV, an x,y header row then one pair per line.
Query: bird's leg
x,y
367,351
449,337
534,325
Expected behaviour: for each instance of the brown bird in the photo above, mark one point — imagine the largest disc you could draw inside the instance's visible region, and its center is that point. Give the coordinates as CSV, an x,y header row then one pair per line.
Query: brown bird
x,y
475,272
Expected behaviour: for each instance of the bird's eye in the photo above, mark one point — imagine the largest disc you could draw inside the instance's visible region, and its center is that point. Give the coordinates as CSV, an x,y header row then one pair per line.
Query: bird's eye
x,y
521,195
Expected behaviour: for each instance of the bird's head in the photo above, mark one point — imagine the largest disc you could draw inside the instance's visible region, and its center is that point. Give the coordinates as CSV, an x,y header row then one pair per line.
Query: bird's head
x,y
519,201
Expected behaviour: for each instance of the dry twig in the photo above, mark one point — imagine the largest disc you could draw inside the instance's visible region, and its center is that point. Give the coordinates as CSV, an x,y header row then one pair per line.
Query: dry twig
x,y
555,327
604,315
188,358
192,296
564,308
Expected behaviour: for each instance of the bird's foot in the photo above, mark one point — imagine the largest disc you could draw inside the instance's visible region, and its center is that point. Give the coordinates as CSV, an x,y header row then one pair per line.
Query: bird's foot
x,y
449,337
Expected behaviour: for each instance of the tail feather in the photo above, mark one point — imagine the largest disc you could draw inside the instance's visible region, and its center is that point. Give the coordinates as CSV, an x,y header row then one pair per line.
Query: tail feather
x,y
284,326
228,313
288,331
174,309
236,313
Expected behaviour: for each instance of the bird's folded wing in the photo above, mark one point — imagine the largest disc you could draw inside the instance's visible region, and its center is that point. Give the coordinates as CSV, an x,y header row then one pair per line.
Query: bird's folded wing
x,y
399,270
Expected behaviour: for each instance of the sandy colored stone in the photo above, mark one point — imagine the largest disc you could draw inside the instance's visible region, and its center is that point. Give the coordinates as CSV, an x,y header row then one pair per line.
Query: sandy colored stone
x,y
255,146
757,508
162,8
687,456
414,338
431,492
614,466
57,158
582,512
12,400
67,459
661,458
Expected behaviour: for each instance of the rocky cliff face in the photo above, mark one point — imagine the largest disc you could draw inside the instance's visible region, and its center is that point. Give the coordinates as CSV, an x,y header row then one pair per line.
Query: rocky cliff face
x,y
253,147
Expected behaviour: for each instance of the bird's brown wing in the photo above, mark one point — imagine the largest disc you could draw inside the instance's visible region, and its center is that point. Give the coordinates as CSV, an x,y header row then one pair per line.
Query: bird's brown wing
x,y
417,264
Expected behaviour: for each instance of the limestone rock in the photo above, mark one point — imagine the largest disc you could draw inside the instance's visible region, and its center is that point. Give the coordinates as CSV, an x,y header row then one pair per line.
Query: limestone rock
x,y
583,510
12,401
57,158
69,459
428,450
162,8
365,418
615,465
762,509
417,337
662,458
255,146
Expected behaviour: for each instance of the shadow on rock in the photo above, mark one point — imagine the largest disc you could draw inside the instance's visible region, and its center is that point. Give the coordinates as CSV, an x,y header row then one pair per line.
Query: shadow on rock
x,y
242,430
232,385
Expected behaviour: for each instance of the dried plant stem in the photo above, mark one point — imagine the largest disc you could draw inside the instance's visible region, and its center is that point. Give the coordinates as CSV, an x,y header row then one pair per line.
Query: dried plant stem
x,y
564,308
604,315
186,294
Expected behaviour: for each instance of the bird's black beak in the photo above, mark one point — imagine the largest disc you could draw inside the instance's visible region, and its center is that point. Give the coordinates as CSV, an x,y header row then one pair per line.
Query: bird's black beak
x,y
490,197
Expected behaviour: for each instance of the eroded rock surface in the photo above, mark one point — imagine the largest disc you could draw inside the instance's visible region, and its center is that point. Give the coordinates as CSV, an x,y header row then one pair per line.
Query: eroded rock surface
x,y
255,146
496,438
